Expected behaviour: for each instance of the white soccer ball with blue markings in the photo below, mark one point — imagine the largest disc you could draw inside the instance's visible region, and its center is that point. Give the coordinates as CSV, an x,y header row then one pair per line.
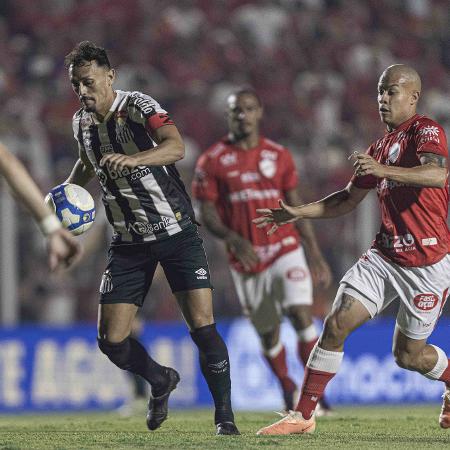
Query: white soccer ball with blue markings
x,y
73,205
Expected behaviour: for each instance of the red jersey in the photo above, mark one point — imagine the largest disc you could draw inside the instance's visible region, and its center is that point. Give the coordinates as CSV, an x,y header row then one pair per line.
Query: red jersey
x,y
239,181
414,228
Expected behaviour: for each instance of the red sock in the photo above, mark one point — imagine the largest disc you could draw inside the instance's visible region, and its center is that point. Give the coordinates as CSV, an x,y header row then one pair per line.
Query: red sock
x,y
314,384
445,377
304,349
279,368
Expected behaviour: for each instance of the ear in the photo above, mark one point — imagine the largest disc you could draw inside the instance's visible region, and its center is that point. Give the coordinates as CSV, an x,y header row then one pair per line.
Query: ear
x,y
415,95
111,76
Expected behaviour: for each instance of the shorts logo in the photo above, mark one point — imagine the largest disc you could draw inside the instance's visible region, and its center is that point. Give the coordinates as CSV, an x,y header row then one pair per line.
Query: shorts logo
x,y
425,302
201,274
220,367
297,274
106,285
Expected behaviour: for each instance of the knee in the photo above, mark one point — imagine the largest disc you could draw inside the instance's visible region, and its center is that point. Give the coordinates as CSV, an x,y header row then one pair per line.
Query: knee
x,y
208,340
300,316
270,339
118,353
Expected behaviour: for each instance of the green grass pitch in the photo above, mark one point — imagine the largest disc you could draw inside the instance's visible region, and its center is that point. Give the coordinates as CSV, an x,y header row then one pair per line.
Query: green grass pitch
x,y
409,427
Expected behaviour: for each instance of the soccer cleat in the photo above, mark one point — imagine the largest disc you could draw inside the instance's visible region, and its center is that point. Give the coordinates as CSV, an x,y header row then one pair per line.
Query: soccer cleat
x,y
158,406
444,417
292,423
323,409
227,428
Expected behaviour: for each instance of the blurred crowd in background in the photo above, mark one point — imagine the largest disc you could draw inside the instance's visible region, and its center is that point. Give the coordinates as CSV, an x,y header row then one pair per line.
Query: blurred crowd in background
x,y
315,64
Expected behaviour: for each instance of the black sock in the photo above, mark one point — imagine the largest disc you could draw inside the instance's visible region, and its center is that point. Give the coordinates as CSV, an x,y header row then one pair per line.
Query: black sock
x,y
131,355
215,367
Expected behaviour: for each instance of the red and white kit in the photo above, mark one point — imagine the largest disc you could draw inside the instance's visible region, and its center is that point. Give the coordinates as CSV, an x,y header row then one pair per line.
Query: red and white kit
x,y
240,181
408,259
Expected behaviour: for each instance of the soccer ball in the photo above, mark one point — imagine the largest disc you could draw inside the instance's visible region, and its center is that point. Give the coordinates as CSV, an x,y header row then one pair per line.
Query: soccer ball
x,y
73,205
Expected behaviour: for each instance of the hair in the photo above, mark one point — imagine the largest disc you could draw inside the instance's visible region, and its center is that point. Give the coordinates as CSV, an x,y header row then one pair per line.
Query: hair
x,y
247,91
87,51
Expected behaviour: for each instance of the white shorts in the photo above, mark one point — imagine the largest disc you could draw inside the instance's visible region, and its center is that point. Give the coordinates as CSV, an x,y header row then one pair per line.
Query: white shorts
x,y
422,291
266,295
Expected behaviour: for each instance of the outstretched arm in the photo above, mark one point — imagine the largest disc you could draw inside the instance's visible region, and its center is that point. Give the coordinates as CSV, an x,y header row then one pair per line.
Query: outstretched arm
x,y
335,205
61,246
320,271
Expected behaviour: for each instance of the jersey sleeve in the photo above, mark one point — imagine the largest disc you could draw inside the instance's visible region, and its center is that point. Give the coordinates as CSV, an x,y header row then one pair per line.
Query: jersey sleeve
x,y
366,181
430,137
77,134
290,174
148,112
204,184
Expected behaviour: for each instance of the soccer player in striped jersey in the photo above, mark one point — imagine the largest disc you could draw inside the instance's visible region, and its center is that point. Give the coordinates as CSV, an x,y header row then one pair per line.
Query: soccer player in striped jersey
x,y
131,144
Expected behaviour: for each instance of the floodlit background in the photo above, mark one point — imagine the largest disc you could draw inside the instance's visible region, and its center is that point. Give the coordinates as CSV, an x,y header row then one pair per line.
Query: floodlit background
x,y
315,64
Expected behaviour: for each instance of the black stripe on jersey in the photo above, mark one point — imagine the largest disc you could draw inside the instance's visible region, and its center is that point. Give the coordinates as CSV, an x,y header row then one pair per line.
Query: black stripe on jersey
x,y
124,206
174,190
142,139
143,197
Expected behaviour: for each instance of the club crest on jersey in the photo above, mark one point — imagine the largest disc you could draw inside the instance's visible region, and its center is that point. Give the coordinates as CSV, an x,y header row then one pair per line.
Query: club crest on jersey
x,y
86,122
267,167
394,153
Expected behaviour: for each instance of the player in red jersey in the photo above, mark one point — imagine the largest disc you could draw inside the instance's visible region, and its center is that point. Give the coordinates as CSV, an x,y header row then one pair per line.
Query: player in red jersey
x,y
409,258
243,172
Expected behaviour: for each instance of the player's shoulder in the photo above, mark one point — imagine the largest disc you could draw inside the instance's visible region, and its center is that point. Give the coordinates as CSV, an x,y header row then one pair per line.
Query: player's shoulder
x,y
424,125
272,145
217,149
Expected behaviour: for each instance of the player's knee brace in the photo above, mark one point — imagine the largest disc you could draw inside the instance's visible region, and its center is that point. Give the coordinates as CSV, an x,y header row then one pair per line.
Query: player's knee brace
x,y
118,353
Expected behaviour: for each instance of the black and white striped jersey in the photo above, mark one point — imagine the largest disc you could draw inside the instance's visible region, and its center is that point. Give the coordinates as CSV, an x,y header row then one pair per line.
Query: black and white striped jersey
x,y
147,203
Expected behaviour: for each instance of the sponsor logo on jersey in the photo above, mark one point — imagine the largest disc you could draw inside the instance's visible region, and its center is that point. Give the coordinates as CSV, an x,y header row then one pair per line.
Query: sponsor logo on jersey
x,y
429,241
143,228
429,130
201,274
107,148
233,174
228,159
426,302
267,167
106,284
269,154
253,194
250,177
393,153
297,274
133,174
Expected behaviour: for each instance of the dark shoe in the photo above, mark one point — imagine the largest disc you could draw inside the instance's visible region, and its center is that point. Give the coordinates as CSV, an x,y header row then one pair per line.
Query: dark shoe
x,y
226,428
158,406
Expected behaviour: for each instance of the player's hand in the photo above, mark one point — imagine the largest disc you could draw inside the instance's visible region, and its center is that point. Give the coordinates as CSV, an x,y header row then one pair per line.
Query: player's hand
x,y
320,272
366,165
243,251
63,250
276,216
118,162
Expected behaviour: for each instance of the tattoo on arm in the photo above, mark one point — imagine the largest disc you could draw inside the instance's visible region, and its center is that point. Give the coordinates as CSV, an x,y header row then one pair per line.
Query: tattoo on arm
x,y
346,303
433,159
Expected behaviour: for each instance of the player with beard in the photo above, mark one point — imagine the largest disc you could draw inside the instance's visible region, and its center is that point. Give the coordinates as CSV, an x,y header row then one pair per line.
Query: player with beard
x,y
240,173
131,144
408,261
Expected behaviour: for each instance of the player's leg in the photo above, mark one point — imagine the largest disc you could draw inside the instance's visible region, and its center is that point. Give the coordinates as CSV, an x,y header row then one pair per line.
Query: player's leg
x,y
185,265
257,294
197,310
275,355
125,283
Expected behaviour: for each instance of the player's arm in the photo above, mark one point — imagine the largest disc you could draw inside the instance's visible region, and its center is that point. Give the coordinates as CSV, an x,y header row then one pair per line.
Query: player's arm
x,y
320,270
82,171
334,205
431,173
169,150
240,247
62,248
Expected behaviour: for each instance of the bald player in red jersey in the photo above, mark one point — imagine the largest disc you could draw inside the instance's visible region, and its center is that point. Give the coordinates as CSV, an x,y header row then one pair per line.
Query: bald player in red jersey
x,y
408,260
240,173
